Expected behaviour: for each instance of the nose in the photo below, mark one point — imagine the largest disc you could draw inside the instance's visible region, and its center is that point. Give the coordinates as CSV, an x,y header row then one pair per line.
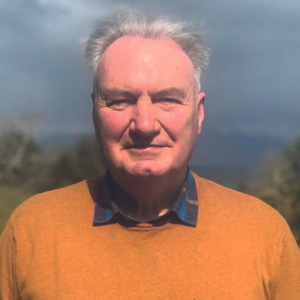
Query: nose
x,y
144,120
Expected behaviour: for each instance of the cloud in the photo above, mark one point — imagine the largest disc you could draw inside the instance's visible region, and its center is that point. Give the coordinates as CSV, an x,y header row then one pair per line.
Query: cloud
x,y
42,63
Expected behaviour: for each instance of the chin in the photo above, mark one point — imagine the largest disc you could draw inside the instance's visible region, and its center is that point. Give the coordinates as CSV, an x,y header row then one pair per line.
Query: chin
x,y
147,170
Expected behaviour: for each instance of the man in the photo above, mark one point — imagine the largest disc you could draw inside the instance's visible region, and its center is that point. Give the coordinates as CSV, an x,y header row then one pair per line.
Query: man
x,y
149,228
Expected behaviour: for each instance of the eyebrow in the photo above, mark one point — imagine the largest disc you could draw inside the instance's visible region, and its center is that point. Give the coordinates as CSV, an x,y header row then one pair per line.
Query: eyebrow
x,y
172,91
114,93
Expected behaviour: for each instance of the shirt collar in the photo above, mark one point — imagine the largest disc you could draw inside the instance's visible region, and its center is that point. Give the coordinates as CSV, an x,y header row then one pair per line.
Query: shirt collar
x,y
185,206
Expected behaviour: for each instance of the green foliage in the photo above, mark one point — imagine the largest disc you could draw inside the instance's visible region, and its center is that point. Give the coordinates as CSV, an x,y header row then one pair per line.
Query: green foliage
x,y
71,165
19,157
291,173
26,170
280,186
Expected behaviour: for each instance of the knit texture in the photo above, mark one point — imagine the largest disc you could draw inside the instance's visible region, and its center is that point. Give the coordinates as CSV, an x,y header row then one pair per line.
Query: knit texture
x,y
240,249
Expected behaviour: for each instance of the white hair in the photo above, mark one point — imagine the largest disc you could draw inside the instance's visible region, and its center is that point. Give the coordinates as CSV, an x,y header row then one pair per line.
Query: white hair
x,y
127,23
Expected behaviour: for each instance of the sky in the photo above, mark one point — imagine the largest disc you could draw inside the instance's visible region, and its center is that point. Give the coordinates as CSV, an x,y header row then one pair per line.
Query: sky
x,y
252,84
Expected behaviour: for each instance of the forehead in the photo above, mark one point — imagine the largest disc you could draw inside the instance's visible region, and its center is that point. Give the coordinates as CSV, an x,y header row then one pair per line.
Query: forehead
x,y
135,62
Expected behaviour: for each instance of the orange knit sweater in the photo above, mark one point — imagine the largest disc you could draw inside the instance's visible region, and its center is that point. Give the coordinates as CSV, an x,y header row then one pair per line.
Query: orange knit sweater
x,y
240,249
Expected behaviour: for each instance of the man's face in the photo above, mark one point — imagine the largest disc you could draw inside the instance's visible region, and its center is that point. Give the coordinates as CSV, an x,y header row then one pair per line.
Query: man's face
x,y
146,114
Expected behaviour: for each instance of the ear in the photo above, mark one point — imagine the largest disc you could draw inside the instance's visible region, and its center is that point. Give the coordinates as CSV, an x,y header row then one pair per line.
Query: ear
x,y
200,107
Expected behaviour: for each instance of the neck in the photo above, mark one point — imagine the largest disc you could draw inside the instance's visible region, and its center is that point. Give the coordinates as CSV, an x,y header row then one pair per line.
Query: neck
x,y
146,199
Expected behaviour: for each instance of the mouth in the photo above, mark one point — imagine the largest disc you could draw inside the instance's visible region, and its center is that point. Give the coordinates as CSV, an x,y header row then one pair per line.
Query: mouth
x,y
142,147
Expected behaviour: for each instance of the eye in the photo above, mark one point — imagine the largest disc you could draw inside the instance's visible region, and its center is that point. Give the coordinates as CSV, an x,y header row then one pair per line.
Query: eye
x,y
119,104
168,102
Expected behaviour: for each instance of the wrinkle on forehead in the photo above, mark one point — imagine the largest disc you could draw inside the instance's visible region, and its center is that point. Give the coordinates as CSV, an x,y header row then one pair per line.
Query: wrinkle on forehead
x,y
134,60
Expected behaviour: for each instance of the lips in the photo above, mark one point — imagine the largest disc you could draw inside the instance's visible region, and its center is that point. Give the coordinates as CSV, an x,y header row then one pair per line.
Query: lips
x,y
146,146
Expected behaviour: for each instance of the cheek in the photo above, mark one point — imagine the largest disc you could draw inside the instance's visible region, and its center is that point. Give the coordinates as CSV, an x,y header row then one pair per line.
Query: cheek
x,y
112,125
179,124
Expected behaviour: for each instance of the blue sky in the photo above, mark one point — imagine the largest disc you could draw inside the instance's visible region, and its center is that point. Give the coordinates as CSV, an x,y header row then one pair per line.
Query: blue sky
x,y
252,83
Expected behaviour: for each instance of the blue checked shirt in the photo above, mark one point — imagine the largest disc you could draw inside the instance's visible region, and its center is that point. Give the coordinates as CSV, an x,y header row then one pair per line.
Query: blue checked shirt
x,y
185,206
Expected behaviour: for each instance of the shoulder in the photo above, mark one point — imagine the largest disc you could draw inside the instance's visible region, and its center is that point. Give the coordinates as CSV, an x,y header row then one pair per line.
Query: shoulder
x,y
57,204
238,209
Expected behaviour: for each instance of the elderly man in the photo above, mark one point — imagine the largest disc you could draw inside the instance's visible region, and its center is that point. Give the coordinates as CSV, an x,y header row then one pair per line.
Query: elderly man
x,y
149,228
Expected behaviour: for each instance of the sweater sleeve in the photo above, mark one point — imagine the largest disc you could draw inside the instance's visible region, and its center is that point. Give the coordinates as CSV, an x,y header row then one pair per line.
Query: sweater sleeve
x,y
8,289
288,275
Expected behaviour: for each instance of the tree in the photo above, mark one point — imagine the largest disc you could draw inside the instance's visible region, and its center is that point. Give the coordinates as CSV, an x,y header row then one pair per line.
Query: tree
x,y
19,156
290,184
71,165
283,188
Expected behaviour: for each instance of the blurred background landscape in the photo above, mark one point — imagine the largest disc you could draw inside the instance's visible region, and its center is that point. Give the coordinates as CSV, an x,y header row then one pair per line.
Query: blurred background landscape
x,y
251,135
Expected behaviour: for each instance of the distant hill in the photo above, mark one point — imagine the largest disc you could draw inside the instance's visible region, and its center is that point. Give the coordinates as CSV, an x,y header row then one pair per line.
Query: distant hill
x,y
228,159
58,141
235,149
229,176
